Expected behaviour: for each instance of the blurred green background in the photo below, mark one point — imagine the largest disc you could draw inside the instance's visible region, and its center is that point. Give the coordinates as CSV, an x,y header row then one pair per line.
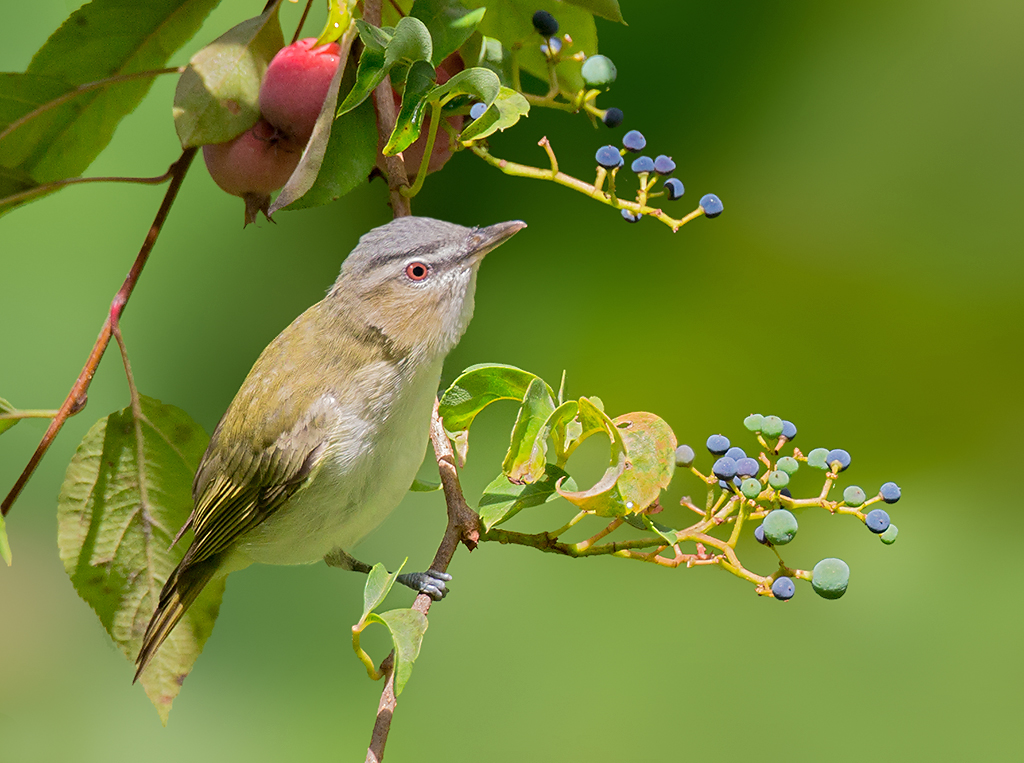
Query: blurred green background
x,y
864,282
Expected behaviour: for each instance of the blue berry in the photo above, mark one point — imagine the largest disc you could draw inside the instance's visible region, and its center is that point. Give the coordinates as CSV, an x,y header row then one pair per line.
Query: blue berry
x,y
630,217
747,467
634,141
788,430
877,521
477,110
551,47
664,165
780,527
783,588
674,188
840,455
889,536
735,453
545,23
890,492
609,157
786,492
724,468
718,444
642,164
728,485
684,456
613,117
759,536
598,71
712,205
830,578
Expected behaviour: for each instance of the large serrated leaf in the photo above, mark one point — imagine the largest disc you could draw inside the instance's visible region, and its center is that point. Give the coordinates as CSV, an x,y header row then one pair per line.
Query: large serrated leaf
x,y
502,499
218,95
449,24
101,39
509,21
122,501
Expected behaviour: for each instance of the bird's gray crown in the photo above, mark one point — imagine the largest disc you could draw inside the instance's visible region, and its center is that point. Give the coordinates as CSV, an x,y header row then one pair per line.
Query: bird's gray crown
x,y
404,237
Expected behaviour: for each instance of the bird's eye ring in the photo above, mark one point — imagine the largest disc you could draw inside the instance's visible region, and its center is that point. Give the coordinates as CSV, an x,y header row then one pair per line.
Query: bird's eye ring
x,y
417,271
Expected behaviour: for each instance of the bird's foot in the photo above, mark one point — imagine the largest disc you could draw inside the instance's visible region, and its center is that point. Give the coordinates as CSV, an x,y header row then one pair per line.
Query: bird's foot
x,y
431,582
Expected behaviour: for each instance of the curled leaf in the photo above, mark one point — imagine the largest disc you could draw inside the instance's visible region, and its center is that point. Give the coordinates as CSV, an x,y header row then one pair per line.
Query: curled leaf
x,y
502,499
650,457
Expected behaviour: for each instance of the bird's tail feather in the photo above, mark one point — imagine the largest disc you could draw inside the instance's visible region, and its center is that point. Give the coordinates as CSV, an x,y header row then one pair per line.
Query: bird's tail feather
x,y
181,589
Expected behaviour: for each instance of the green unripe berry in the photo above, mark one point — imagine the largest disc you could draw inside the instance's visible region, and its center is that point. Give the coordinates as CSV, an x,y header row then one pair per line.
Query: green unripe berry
x,y
889,536
788,464
754,422
780,526
778,479
751,488
854,496
598,71
771,426
830,578
816,458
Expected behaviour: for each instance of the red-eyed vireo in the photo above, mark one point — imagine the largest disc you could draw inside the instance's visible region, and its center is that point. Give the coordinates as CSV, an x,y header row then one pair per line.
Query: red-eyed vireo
x,y
331,424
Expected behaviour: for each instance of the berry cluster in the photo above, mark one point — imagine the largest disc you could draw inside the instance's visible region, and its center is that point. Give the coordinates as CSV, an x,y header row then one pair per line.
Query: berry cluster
x,y
260,160
598,72
756,487
611,159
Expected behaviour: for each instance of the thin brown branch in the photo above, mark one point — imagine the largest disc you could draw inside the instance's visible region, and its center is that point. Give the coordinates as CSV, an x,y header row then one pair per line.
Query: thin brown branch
x,y
384,100
42,188
77,397
302,21
84,89
463,527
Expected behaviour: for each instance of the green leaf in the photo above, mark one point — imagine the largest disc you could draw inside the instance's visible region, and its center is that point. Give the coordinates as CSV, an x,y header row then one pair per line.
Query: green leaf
x,y
371,70
378,586
101,39
606,9
488,53
423,486
410,43
502,500
449,24
5,546
650,457
509,21
6,424
418,83
20,94
477,81
506,110
527,452
474,390
217,97
407,627
605,497
126,492
338,158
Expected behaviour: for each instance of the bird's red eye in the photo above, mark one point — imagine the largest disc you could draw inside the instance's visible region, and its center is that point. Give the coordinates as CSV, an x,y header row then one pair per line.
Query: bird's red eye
x,y
417,271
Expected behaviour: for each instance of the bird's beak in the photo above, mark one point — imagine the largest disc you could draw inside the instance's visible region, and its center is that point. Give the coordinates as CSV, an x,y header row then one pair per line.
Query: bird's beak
x,y
484,240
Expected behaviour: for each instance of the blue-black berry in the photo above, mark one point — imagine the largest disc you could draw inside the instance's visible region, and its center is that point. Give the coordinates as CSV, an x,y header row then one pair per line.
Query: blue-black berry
x,y
613,117
477,110
783,588
724,468
674,188
788,430
634,141
718,444
759,536
786,492
890,492
609,157
545,23
840,455
712,205
747,467
735,453
642,164
877,521
630,217
684,456
664,165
